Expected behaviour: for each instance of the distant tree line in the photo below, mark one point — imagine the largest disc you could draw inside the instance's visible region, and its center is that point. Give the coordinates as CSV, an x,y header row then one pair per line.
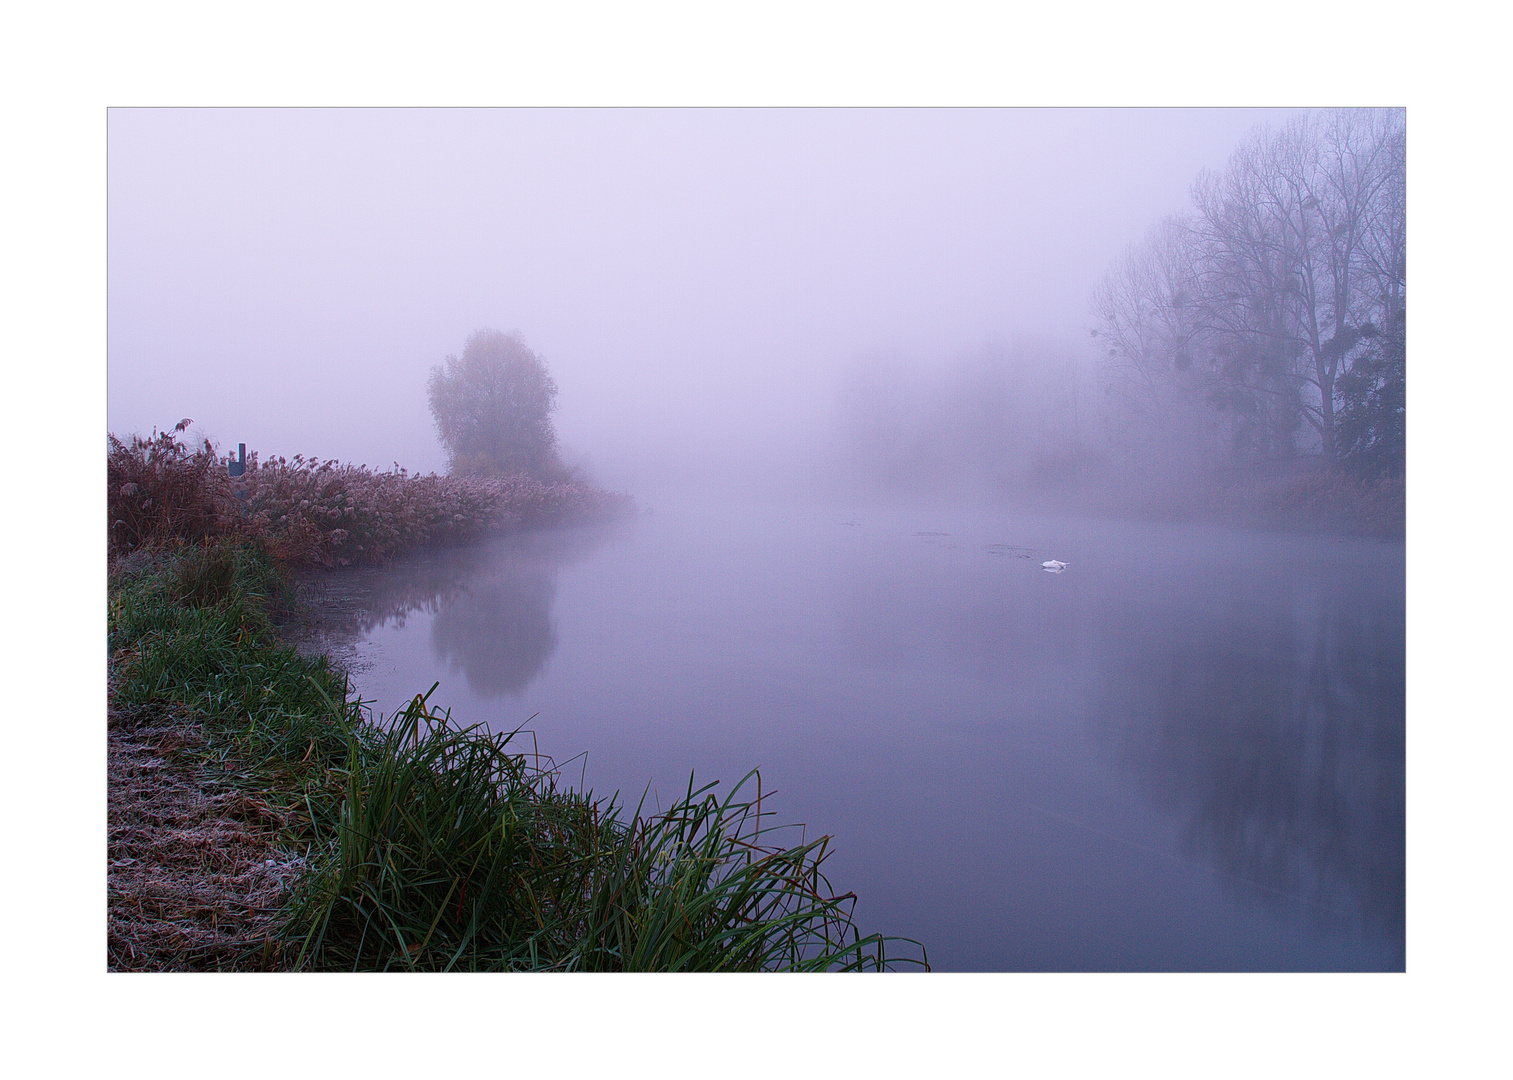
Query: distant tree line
x,y
1007,418
1271,318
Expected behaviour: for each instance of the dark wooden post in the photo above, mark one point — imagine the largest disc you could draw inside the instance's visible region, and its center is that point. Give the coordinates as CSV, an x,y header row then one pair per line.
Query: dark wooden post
x,y
235,467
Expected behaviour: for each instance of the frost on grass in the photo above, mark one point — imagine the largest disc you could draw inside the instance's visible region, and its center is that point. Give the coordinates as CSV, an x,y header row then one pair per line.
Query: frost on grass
x,y
195,869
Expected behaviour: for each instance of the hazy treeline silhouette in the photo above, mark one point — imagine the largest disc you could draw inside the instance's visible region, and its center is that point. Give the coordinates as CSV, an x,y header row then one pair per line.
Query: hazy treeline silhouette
x,y
1007,418
1248,357
1267,324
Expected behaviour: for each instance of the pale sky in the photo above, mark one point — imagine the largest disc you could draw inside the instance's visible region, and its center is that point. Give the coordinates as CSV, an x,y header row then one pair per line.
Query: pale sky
x,y
695,279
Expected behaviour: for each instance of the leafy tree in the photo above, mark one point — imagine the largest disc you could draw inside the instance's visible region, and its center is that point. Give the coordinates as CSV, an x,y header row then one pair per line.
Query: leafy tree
x,y
492,407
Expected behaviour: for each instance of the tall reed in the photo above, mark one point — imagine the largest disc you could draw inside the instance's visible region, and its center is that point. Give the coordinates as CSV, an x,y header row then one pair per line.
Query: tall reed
x,y
159,490
313,512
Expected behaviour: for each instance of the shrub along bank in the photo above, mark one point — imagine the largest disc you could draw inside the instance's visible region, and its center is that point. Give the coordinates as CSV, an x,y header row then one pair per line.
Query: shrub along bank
x,y
320,513
261,819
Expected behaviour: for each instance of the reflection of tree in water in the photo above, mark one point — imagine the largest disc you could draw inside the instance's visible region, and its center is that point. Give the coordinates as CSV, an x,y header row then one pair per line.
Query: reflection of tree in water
x,y
1282,745
498,632
491,602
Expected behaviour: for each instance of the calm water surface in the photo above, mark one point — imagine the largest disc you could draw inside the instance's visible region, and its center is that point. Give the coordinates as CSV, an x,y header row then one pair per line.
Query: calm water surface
x,y
1185,752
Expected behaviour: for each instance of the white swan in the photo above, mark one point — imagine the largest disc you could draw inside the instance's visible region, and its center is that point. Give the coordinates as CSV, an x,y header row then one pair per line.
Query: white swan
x,y
1055,566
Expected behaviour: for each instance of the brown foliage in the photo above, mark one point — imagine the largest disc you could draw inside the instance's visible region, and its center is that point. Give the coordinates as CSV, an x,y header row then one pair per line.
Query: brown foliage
x,y
160,491
312,512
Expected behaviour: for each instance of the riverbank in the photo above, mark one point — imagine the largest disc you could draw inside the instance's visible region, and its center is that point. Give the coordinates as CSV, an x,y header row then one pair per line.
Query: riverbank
x,y
196,870
261,818
309,512
1310,502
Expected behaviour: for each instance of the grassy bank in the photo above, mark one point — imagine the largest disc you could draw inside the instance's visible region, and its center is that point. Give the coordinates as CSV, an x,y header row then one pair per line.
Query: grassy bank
x,y
261,819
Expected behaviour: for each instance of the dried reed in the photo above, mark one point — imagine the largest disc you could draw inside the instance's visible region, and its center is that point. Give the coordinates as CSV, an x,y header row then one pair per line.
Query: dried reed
x,y
312,512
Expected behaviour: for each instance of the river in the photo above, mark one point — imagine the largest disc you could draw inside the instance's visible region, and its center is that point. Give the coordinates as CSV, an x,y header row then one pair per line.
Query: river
x,y
1185,752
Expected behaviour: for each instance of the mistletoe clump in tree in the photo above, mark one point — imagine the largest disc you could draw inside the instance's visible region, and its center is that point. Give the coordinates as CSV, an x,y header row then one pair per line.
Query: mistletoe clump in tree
x,y
1280,300
493,409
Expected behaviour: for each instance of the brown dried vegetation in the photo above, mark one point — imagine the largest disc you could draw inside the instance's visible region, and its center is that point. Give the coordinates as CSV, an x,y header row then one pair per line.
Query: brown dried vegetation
x,y
320,513
196,871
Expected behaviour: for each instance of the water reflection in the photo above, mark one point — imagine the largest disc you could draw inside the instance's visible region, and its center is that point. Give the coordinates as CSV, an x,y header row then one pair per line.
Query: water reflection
x,y
1274,729
490,603
498,632
1249,690
1183,753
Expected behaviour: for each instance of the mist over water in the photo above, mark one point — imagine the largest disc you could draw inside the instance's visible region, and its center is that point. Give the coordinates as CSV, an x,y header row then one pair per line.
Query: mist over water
x,y
842,359
1183,753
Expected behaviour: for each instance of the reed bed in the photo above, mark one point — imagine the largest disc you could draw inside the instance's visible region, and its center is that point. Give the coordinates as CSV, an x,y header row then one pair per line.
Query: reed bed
x,y
313,512
412,843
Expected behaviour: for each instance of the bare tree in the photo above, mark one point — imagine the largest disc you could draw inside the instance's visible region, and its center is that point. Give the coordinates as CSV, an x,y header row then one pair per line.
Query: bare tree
x,y
1150,336
1281,281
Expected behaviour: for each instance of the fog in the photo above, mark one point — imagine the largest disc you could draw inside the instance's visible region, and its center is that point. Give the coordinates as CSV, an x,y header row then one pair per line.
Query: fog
x,y
713,290
875,329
